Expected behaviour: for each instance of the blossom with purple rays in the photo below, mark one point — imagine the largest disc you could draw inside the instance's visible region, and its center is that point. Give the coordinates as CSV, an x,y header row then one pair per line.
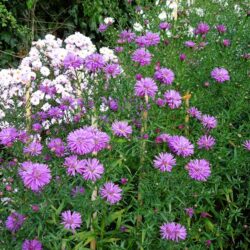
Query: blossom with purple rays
x,y
35,175
165,76
199,169
164,26
102,27
221,28
173,98
92,169
180,145
164,162
182,57
121,128
94,62
32,245
152,39
226,42
146,87
55,112
81,141
57,146
173,231
160,102
8,136
48,90
72,61
33,149
111,192
112,70
119,49
142,56
194,112
37,127
23,136
141,41
208,121
202,29
189,211
190,44
206,142
220,75
162,138
127,36
113,105
71,220
14,222
246,145
73,165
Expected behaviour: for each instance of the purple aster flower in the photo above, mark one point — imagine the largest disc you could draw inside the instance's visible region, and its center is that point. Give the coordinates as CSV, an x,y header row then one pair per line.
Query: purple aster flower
x,y
23,136
226,42
194,112
190,44
142,56
112,70
220,75
37,127
146,87
35,175
164,162
14,222
48,90
121,128
221,28
111,192
127,36
8,136
81,141
189,211
208,121
199,169
165,76
206,141
55,112
173,99
113,105
173,231
202,28
92,169
32,245
57,146
181,146
182,57
71,220
246,145
94,62
119,49
160,102
72,60
152,39
73,165
33,149
162,138
165,26
102,27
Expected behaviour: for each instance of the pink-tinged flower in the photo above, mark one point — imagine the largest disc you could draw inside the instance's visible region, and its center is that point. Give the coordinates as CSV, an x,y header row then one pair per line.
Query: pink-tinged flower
x,y
226,42
72,61
180,145
208,121
35,175
81,141
220,75
8,136
141,41
221,28
189,44
206,142
37,127
57,146
73,165
173,99
121,128
23,136
94,62
32,245
182,57
127,36
164,162
246,145
92,169
194,112
146,86
102,27
164,26
77,191
173,231
71,220
111,192
160,102
199,169
162,138
112,70
55,112
14,222
142,56
152,39
165,76
202,29
33,149
189,211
